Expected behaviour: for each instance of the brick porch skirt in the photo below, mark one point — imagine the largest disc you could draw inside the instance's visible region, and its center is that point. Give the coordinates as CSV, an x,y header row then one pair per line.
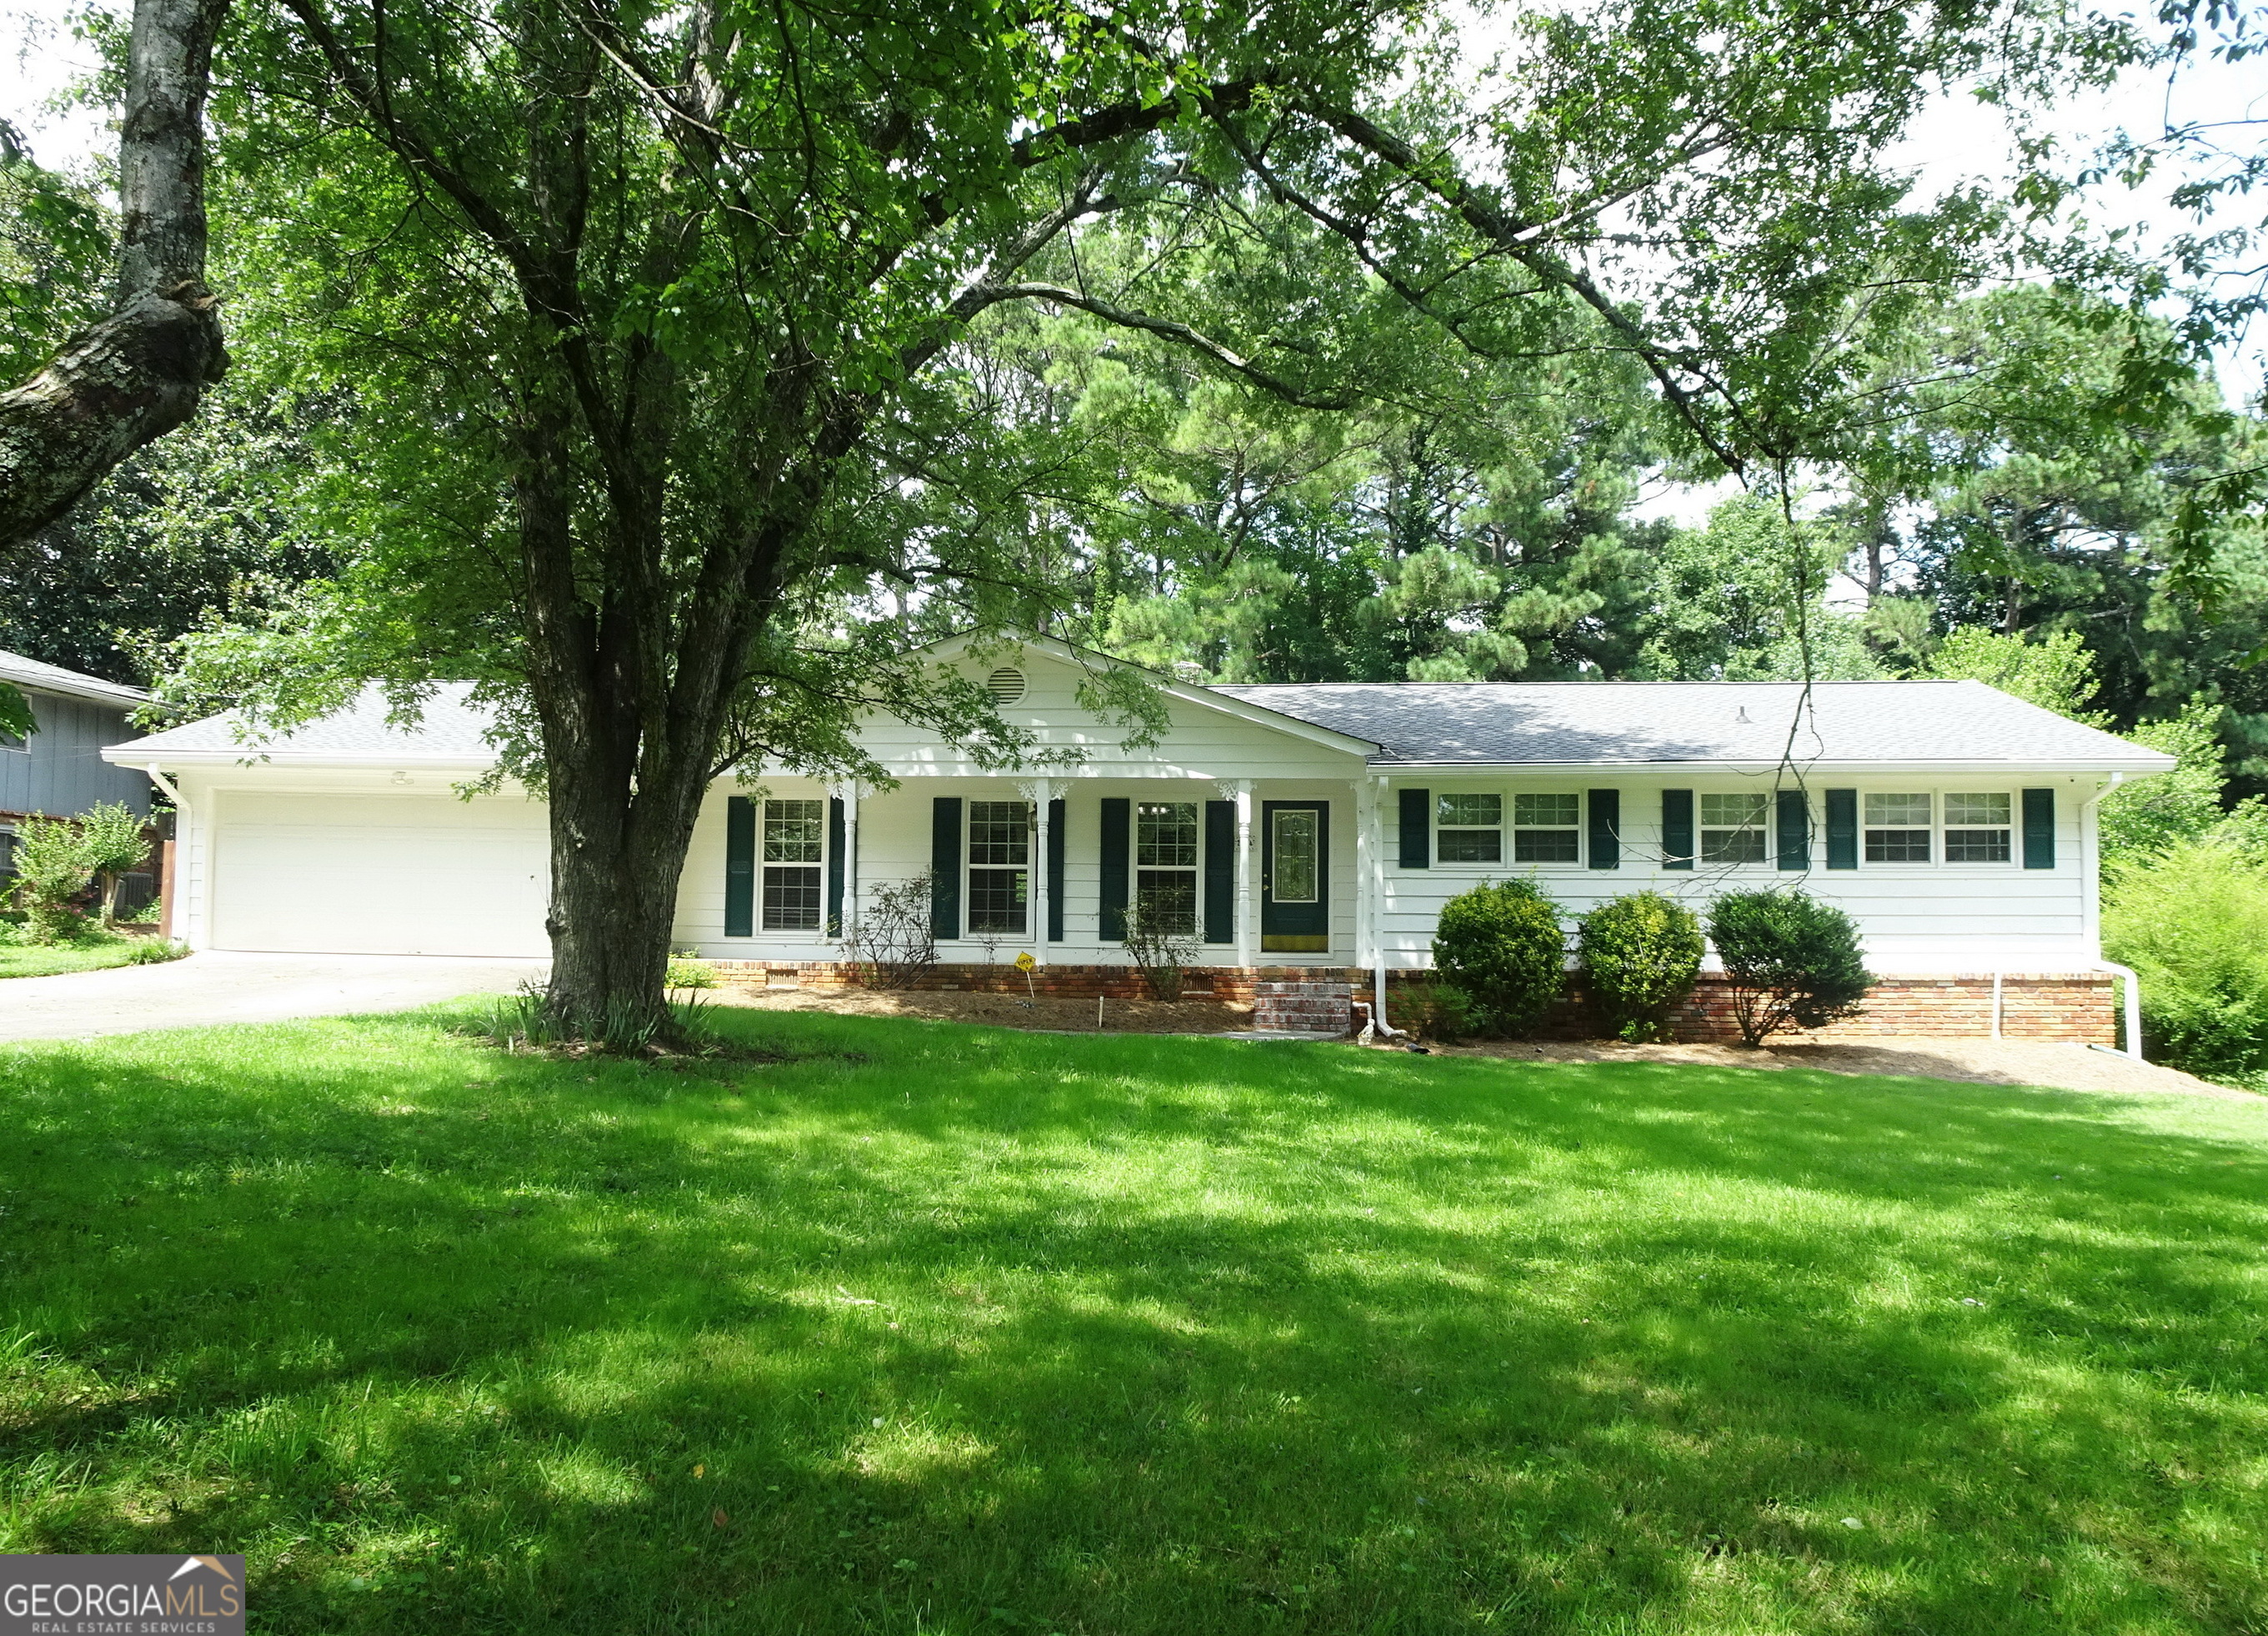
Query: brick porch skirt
x,y
2034,1005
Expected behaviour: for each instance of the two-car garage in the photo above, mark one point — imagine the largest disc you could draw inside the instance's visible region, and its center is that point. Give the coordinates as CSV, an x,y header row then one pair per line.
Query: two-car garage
x,y
377,873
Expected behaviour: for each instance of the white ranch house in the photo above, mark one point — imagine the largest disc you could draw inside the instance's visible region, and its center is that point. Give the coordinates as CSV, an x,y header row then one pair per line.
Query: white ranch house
x,y
1315,826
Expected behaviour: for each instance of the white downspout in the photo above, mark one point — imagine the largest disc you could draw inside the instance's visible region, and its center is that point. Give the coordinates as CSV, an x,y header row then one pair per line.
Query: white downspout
x,y
1374,888
2088,815
2133,1005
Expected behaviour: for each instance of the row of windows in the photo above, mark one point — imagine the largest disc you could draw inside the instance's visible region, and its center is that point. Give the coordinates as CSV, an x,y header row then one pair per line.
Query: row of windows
x,y
1000,863
1978,827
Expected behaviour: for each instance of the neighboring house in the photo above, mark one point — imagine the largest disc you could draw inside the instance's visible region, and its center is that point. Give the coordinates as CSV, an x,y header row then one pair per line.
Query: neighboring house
x,y
59,771
1304,826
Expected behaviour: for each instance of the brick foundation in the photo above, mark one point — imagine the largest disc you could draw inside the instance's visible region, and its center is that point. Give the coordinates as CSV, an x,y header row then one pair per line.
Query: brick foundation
x,y
1303,1008
2034,1005
1237,985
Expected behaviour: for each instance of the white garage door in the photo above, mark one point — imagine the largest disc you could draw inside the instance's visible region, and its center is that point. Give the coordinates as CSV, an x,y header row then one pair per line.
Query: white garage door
x,y
353,875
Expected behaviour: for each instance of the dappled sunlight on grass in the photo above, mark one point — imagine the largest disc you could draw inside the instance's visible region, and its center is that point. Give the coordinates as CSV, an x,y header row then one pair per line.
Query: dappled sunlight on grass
x,y
937,1328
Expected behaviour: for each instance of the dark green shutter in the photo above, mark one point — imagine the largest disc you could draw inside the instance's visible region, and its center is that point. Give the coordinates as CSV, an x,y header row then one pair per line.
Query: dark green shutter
x,y
1794,830
1058,815
1117,820
1842,829
1677,828
834,863
739,866
2039,828
1606,815
1220,872
944,867
1416,828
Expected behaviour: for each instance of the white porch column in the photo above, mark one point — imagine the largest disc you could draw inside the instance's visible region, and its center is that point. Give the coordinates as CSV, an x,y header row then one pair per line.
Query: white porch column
x,y
849,794
1367,931
1248,910
1042,794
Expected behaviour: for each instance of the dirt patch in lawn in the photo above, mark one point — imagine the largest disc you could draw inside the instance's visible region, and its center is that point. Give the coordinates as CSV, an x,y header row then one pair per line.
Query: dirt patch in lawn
x,y
1190,1014
2060,1064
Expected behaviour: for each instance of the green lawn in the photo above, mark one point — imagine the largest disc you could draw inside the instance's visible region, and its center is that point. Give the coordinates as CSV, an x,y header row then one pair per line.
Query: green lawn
x,y
936,1328
52,959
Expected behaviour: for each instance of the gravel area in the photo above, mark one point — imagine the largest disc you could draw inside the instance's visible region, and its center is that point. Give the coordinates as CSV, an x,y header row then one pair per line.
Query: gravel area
x,y
2059,1064
2053,1063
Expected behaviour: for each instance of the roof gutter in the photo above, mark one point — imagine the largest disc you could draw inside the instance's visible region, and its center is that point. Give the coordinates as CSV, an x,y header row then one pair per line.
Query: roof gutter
x,y
132,755
1811,769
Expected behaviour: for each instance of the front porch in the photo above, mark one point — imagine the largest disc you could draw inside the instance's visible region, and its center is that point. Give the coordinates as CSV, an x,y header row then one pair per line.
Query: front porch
x,y
1258,873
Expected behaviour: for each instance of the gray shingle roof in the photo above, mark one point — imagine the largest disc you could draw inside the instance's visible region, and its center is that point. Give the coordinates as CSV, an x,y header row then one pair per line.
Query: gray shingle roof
x,y
1625,723
452,729
1475,723
31,672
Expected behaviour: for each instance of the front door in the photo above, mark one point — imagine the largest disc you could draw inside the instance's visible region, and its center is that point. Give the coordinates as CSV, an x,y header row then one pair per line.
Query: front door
x,y
1295,894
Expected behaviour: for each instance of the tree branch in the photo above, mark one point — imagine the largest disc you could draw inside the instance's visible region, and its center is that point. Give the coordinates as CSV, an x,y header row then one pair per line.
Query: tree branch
x,y
1173,330
140,372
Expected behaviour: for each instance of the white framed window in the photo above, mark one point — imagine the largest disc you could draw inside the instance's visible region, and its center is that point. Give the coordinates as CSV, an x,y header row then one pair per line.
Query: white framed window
x,y
1733,828
1000,867
14,741
794,847
1468,829
1897,828
1166,850
1980,827
1546,829
7,851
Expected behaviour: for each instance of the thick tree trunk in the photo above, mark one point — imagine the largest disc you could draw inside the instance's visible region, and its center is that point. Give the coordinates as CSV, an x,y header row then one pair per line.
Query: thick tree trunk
x,y
139,373
615,867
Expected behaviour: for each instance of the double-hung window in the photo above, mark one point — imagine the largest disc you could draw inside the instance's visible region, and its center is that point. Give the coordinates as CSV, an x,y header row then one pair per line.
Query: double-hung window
x,y
795,835
1898,828
1471,828
1165,865
1978,829
1544,829
1733,828
999,866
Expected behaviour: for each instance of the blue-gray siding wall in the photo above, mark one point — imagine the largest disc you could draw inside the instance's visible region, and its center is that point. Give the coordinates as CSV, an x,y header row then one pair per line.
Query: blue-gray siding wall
x,y
60,770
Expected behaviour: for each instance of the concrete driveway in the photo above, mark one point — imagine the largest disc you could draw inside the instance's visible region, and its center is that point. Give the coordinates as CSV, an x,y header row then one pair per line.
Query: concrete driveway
x,y
215,987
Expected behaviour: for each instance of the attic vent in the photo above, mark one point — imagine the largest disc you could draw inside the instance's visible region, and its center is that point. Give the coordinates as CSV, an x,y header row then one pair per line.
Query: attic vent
x,y
1006,685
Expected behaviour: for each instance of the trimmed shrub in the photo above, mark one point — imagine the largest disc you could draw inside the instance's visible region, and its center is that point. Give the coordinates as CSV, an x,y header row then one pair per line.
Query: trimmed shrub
x,y
2193,922
687,970
1792,960
55,866
1640,956
1501,956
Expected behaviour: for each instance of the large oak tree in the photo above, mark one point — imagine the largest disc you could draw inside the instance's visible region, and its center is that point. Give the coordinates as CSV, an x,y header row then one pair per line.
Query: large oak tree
x,y
653,314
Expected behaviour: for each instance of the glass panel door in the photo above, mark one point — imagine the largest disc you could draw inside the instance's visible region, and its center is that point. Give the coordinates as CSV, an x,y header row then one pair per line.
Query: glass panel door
x,y
1295,912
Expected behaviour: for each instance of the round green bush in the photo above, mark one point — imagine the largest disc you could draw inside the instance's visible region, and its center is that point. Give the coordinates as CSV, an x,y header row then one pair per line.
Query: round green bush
x,y
2193,922
1640,954
1501,956
1794,961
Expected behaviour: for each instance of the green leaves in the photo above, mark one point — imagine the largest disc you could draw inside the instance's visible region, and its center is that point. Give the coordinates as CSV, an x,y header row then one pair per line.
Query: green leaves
x,y
16,719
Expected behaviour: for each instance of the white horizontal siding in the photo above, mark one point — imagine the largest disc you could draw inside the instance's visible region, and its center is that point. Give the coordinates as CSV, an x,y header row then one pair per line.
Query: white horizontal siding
x,y
1910,917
